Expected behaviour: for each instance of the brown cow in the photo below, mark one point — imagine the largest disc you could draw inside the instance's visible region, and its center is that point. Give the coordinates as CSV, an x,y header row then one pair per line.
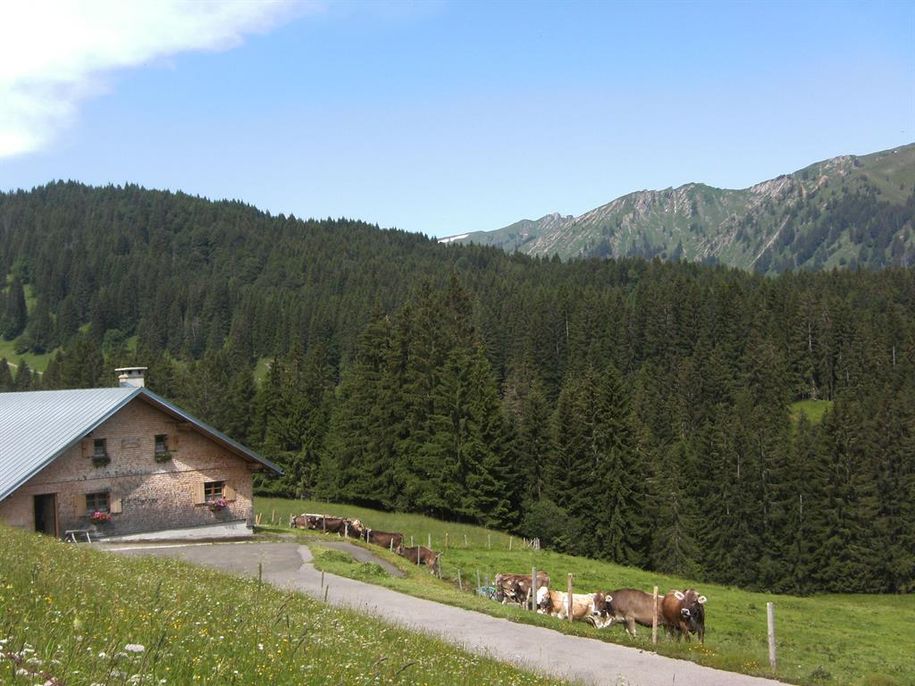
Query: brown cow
x,y
426,556
517,587
385,539
631,606
587,607
683,613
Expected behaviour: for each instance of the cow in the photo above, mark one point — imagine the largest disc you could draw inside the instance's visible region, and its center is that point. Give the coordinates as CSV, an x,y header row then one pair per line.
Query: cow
x,y
683,613
516,587
385,539
426,556
588,607
631,607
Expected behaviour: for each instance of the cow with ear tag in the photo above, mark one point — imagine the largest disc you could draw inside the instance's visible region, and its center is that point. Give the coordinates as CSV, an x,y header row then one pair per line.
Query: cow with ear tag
x,y
683,613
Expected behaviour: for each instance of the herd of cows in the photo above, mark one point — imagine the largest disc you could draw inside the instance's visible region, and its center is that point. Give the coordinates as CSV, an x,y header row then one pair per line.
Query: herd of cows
x,y
353,528
680,613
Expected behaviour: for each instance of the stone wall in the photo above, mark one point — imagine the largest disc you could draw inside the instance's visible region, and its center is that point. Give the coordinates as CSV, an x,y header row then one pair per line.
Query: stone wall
x,y
150,495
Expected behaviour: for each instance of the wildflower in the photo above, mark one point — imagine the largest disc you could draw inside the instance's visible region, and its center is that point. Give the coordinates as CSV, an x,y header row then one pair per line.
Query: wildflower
x,y
134,648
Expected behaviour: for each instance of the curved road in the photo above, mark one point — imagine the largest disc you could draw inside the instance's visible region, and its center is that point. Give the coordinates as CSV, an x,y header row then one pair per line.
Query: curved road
x,y
288,565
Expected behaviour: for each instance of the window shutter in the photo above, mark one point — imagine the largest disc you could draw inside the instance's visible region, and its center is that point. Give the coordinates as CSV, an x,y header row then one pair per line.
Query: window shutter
x,y
228,493
79,504
199,497
115,507
87,447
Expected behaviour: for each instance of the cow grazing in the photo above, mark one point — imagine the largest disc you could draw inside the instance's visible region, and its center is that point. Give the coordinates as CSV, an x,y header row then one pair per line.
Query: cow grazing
x,y
683,613
587,607
385,539
420,554
631,606
516,587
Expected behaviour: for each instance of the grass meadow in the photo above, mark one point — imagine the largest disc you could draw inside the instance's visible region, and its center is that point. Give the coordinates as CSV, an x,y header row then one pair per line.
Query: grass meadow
x,y
70,614
860,640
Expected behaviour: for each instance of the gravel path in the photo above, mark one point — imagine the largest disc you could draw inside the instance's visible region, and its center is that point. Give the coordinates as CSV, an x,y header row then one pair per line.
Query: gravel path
x,y
288,565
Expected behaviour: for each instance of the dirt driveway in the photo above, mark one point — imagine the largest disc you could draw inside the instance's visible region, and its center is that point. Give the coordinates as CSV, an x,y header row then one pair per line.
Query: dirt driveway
x,y
288,565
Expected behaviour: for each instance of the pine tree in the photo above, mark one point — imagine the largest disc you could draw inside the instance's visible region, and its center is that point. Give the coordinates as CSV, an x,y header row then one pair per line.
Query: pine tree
x,y
6,377
24,379
15,314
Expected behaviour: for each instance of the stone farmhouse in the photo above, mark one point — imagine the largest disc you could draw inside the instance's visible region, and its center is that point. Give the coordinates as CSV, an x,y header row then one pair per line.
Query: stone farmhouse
x,y
118,461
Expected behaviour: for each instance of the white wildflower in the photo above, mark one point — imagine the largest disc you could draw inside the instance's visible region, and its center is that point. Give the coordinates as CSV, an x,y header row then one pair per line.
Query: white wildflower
x,y
134,648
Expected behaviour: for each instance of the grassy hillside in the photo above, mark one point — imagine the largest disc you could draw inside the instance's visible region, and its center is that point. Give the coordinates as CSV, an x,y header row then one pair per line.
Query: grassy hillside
x,y
80,617
827,639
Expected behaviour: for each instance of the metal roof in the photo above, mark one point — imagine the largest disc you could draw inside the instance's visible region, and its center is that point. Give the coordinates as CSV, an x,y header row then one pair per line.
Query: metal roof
x,y
38,427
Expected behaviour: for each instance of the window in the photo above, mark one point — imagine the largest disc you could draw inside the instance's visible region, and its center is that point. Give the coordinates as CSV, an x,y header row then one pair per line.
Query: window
x,y
213,489
161,443
99,449
97,502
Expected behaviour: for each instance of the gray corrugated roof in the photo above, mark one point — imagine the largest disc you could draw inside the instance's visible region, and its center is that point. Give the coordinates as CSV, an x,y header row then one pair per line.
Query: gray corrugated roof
x,y
38,427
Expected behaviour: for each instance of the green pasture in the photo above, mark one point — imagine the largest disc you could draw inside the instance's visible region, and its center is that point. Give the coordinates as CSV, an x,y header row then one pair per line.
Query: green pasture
x,y
812,409
36,362
77,616
826,639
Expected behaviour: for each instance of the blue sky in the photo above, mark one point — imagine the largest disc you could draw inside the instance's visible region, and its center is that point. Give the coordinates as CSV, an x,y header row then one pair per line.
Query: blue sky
x,y
444,117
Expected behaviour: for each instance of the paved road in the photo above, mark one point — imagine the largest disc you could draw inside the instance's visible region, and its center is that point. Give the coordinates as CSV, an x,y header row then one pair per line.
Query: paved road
x,y
288,565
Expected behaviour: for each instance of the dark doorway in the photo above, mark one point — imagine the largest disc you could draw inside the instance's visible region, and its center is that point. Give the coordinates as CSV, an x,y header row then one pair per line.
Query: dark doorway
x,y
46,514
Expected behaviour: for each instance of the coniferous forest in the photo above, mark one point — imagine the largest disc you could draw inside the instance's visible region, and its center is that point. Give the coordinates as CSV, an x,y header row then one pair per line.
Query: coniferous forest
x,y
638,411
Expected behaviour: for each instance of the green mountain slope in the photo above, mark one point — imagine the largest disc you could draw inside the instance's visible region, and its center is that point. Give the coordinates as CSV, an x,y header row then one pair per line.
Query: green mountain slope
x,y
847,211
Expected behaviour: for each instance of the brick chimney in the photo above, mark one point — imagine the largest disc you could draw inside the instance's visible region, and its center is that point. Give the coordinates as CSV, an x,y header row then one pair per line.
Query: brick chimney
x,y
131,377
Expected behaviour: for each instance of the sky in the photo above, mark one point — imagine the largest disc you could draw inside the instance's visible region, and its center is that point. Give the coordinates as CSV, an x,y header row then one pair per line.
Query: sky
x,y
445,116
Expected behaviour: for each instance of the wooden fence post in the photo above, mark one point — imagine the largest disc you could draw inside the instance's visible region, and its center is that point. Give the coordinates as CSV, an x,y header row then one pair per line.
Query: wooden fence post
x,y
411,540
533,589
654,619
345,529
430,542
570,596
465,540
489,541
770,616
510,539
460,583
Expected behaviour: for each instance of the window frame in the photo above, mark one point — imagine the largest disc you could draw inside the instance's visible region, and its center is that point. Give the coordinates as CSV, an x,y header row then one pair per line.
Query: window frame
x,y
213,490
99,443
96,497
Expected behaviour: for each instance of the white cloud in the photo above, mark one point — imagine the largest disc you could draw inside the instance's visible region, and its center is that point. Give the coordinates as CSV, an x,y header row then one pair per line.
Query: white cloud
x,y
55,54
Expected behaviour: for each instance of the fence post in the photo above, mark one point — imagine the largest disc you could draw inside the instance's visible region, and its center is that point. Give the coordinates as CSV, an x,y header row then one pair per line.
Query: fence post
x,y
489,540
478,579
411,540
446,540
533,589
460,583
654,619
272,515
430,542
570,596
770,616
510,539
465,540
391,544
345,529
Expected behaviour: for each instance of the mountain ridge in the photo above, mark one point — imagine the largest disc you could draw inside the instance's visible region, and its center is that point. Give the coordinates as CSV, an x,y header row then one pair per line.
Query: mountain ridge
x,y
840,212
